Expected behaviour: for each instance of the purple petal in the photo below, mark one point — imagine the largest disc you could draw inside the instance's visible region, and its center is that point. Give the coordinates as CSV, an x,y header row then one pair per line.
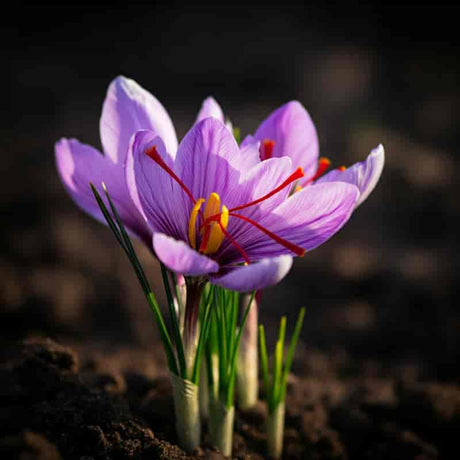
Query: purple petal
x,y
179,257
258,275
208,160
210,108
250,140
294,134
78,165
128,108
258,182
308,218
155,194
250,154
364,174
262,179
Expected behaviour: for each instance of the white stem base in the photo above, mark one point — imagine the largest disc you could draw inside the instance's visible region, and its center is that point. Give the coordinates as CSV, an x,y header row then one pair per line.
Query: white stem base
x,y
275,431
221,427
247,378
187,409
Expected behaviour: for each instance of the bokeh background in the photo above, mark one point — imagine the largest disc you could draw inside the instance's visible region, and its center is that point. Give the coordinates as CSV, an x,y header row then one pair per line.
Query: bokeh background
x,y
380,296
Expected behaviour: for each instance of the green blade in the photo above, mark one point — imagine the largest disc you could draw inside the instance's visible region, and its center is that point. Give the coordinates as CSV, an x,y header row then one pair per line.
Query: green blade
x,y
290,353
234,354
175,323
122,237
264,361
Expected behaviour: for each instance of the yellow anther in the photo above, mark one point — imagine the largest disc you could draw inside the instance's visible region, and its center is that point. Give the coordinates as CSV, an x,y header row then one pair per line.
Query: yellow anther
x,y
212,222
192,222
224,217
216,236
212,206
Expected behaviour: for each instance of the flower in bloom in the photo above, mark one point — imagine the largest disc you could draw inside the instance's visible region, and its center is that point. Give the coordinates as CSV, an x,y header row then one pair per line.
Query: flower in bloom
x,y
289,131
218,211
127,108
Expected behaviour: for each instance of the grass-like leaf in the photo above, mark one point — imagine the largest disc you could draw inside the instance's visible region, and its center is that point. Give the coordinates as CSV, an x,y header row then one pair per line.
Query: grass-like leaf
x,y
175,323
275,384
122,237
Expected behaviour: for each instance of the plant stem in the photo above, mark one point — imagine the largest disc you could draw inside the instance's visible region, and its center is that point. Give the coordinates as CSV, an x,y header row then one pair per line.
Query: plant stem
x,y
204,391
180,296
187,410
275,431
221,426
191,329
247,370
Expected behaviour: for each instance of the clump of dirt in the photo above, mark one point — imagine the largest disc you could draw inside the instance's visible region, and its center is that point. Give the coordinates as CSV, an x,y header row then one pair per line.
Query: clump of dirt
x,y
52,407
43,394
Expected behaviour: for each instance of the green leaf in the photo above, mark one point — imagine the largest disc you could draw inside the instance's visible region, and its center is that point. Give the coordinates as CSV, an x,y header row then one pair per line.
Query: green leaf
x,y
231,384
120,233
264,361
175,322
290,353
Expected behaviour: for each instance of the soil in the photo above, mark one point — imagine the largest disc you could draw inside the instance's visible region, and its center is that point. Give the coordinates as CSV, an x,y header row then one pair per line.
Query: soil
x,y
60,403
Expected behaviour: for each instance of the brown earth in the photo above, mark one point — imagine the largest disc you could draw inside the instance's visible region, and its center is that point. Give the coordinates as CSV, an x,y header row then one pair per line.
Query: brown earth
x,y
57,403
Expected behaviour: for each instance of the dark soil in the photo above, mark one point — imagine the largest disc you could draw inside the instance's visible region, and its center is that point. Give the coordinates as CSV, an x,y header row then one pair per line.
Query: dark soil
x,y
55,404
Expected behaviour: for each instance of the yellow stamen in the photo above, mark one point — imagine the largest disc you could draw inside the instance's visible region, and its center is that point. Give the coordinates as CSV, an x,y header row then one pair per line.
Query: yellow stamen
x,y
212,206
192,222
212,233
217,235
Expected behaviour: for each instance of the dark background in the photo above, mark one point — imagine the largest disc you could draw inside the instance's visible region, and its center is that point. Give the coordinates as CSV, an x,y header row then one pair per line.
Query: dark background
x,y
380,295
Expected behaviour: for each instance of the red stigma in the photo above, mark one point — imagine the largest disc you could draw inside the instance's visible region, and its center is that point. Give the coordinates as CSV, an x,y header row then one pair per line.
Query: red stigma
x,y
297,250
297,174
266,149
237,246
323,165
152,152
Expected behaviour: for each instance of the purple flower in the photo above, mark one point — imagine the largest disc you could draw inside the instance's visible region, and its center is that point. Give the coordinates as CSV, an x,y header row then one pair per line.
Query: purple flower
x,y
290,131
127,108
219,212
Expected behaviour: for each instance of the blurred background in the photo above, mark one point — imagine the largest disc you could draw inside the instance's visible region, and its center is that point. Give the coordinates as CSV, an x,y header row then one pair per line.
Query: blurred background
x,y
380,296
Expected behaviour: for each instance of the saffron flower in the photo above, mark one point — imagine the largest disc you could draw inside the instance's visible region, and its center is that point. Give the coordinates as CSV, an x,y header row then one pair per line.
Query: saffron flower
x,y
289,131
126,109
220,213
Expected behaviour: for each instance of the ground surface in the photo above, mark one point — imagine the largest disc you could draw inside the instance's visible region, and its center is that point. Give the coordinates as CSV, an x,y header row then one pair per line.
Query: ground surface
x,y
377,366
57,403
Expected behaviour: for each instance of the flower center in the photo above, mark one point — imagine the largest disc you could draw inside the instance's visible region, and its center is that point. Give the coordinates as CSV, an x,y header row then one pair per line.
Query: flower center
x,y
214,218
213,231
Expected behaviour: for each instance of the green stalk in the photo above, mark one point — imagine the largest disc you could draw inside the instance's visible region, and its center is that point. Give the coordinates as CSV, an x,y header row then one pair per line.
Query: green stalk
x,y
191,332
122,237
232,371
264,362
175,321
275,387
247,378
221,426
275,431
185,392
222,353
204,387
